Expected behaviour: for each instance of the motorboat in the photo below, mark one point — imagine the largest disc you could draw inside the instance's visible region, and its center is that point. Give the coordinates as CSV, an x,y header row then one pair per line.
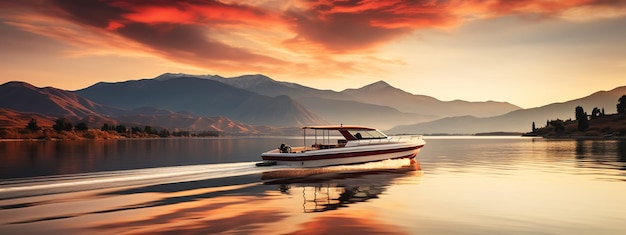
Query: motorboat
x,y
343,144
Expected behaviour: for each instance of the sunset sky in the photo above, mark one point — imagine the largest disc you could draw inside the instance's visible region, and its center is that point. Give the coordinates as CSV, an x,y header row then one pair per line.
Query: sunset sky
x,y
526,52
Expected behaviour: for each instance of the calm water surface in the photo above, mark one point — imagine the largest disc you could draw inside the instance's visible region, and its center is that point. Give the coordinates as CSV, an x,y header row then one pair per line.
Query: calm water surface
x,y
207,186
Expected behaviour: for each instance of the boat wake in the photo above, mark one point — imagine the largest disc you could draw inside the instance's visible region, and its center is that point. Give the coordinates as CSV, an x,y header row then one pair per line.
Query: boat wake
x,y
38,186
34,186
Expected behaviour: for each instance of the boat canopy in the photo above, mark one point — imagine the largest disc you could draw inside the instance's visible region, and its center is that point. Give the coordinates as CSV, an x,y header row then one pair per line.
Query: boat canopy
x,y
338,127
348,132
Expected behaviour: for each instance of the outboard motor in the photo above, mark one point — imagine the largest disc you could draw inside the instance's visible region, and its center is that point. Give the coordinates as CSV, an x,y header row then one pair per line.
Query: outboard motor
x,y
285,148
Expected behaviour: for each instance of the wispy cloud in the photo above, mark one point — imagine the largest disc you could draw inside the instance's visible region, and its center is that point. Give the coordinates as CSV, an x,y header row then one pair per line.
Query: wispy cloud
x,y
268,37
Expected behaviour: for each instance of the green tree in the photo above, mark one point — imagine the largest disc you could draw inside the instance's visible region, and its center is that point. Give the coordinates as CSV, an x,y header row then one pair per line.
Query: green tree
x,y
621,105
33,126
63,124
581,118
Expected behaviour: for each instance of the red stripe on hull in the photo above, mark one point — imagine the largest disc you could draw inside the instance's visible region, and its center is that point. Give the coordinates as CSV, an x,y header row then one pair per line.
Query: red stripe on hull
x,y
341,155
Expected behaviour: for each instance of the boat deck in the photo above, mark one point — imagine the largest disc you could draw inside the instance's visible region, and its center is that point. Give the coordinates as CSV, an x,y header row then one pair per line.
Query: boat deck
x,y
343,143
311,148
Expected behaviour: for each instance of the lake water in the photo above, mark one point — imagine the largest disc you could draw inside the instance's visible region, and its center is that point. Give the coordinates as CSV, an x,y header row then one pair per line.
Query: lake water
x,y
460,185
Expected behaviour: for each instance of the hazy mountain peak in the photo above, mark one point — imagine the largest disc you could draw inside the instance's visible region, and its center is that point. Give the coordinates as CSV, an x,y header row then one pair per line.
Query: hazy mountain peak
x,y
24,97
378,85
244,81
18,84
248,81
254,77
168,76
203,96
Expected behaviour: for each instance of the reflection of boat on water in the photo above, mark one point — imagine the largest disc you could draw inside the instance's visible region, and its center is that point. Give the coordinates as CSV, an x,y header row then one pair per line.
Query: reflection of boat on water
x,y
359,144
331,188
326,197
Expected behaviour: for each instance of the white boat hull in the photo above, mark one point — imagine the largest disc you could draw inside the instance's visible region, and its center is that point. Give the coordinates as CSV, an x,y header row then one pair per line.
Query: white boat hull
x,y
342,156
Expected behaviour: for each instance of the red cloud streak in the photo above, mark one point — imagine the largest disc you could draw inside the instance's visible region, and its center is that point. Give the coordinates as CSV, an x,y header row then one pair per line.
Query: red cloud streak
x,y
209,33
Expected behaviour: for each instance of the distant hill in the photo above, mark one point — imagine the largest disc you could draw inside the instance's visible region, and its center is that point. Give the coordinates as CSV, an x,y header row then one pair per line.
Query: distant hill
x,y
174,121
518,120
23,97
381,93
263,85
20,102
11,118
203,97
348,111
334,107
256,104
377,104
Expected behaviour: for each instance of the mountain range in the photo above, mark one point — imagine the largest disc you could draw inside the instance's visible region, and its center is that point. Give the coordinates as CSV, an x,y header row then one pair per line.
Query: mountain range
x,y
257,104
519,120
20,102
202,97
378,104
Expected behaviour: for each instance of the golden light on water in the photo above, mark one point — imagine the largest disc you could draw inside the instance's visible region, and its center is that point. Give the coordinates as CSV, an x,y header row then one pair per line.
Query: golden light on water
x,y
488,186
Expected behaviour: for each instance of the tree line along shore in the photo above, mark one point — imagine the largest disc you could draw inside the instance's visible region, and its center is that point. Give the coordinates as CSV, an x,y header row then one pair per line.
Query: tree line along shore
x,y
64,129
596,125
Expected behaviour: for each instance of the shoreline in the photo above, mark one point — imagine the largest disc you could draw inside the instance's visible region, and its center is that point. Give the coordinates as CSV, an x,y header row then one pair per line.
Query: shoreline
x,y
584,137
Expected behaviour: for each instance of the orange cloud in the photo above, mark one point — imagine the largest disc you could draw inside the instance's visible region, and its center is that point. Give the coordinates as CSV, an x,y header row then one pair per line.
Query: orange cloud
x,y
347,26
160,14
177,30
193,12
242,36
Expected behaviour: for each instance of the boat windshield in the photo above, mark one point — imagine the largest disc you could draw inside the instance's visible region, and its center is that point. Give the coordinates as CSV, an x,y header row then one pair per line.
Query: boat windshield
x,y
367,134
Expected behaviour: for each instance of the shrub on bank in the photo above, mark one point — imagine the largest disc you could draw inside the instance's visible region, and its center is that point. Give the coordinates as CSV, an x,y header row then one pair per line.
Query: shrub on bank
x,y
9,134
99,135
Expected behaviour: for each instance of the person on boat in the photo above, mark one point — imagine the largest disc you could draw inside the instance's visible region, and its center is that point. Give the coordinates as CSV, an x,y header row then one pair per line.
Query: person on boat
x,y
284,148
358,136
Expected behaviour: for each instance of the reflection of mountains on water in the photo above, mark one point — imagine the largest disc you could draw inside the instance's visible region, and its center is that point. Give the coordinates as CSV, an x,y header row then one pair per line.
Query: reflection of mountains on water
x,y
331,188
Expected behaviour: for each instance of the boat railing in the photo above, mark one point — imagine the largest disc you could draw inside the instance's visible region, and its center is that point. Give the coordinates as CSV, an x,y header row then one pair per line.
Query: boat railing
x,y
389,140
